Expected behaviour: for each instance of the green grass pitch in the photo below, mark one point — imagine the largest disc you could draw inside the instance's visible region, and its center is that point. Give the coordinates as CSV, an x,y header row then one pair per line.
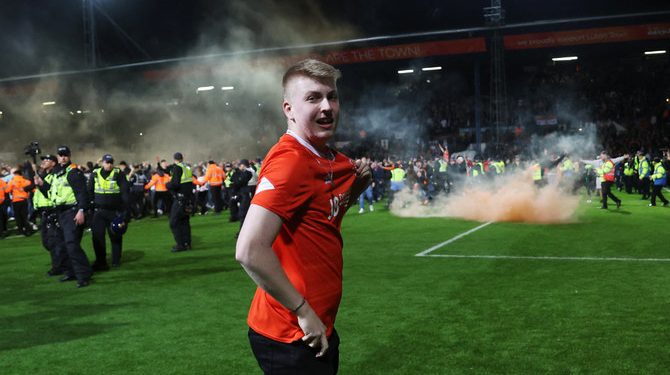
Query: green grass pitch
x,y
164,313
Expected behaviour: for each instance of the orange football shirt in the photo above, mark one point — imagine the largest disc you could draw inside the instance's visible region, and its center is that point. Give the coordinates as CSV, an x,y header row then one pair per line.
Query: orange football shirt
x,y
310,193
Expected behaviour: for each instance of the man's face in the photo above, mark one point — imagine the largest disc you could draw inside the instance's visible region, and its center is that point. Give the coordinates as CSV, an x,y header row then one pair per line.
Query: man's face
x,y
63,159
163,164
603,156
107,166
312,107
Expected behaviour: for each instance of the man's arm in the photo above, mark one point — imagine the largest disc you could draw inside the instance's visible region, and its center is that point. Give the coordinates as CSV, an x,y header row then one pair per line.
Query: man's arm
x,y
255,254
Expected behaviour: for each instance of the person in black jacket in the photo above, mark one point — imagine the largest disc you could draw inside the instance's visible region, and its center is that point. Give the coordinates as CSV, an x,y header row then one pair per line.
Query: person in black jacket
x,y
181,186
109,188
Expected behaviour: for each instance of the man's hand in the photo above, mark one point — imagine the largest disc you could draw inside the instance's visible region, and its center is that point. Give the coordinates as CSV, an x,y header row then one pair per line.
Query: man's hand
x,y
79,218
313,328
38,180
363,180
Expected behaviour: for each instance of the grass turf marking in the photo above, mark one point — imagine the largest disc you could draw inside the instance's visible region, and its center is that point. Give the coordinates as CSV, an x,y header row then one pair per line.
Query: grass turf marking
x,y
455,238
602,259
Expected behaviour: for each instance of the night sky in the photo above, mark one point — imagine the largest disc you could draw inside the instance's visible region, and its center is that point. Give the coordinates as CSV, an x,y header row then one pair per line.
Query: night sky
x,y
44,36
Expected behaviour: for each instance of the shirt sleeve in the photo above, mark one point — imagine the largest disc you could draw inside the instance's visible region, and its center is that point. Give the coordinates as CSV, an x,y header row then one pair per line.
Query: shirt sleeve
x,y
284,185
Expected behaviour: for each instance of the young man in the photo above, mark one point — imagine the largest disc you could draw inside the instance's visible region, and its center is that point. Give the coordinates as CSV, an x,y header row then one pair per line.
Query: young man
x,y
290,244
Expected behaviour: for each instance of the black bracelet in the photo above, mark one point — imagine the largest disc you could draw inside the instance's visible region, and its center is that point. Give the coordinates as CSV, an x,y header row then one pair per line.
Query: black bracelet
x,y
299,306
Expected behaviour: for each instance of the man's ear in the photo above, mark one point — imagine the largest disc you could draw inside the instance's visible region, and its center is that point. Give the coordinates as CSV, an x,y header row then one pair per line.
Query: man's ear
x,y
288,110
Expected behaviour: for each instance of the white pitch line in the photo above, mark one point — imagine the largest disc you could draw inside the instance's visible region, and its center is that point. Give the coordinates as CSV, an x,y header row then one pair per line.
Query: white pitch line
x,y
447,242
602,259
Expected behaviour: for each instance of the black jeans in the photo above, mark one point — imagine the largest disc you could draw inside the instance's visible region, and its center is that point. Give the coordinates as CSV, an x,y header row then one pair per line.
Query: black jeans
x,y
606,189
644,187
77,262
180,222
217,199
52,240
296,358
21,216
657,191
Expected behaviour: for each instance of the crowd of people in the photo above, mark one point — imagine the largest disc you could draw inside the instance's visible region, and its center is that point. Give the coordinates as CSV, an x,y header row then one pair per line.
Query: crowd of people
x,y
61,200
446,174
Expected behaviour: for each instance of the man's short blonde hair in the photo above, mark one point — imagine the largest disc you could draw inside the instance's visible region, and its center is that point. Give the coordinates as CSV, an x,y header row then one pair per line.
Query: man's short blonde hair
x,y
312,68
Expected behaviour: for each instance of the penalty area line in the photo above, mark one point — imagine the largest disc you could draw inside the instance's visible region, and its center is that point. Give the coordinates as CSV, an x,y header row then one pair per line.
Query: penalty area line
x,y
601,259
447,242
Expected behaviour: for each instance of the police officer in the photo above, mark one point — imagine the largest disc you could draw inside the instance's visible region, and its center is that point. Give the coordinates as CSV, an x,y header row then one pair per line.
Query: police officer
x,y
67,190
181,186
109,188
52,239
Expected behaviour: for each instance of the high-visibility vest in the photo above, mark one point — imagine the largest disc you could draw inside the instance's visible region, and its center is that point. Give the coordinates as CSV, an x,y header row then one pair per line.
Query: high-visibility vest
x,y
567,167
17,188
628,169
499,166
186,174
107,185
660,176
477,169
39,200
537,172
397,175
644,168
443,166
229,178
608,170
61,192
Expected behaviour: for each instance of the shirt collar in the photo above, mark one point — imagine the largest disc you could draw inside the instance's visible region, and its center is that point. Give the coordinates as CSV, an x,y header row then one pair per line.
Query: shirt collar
x,y
303,142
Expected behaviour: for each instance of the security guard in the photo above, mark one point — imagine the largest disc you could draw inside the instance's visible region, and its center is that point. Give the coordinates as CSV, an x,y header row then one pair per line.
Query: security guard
x,y
606,172
659,178
628,175
67,190
20,187
215,177
52,239
643,174
181,186
110,191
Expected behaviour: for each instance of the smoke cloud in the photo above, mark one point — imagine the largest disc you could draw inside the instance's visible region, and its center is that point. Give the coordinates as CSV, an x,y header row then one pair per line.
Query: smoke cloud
x,y
137,119
512,197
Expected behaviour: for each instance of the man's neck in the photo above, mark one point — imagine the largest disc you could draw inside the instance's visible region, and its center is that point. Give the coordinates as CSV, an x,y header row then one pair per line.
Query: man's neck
x,y
320,150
